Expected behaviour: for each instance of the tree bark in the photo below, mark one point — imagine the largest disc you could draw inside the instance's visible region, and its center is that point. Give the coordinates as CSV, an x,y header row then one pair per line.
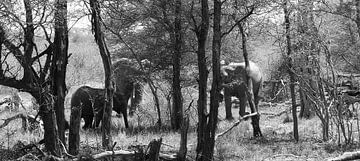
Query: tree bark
x,y
202,34
2,35
74,136
208,142
48,116
177,111
59,63
291,74
109,85
357,21
28,77
183,142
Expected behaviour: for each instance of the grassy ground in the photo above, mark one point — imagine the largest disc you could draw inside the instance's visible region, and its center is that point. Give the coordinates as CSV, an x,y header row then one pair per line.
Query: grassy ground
x,y
238,144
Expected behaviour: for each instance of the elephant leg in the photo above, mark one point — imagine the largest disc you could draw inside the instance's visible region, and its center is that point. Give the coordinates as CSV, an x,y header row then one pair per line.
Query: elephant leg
x,y
125,118
88,122
242,103
227,98
98,118
135,99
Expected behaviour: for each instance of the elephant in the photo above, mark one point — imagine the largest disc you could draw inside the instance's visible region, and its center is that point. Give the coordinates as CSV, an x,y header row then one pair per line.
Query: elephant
x,y
233,76
129,81
91,100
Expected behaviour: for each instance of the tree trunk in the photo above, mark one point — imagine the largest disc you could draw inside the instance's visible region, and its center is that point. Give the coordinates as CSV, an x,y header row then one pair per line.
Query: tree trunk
x,y
2,35
183,142
109,85
74,136
202,34
291,74
59,62
28,77
176,88
308,53
206,151
357,21
255,120
48,116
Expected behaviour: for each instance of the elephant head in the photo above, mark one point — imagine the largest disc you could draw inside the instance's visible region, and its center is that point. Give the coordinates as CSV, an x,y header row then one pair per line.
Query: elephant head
x,y
129,79
233,77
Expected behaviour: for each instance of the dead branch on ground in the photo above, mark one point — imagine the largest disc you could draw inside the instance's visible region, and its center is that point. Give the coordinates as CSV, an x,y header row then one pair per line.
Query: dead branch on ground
x,y
153,151
347,156
18,116
235,124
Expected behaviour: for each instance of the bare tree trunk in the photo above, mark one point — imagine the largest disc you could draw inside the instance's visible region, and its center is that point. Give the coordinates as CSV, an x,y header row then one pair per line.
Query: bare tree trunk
x,y
74,136
357,21
291,74
208,142
48,116
255,120
177,111
59,62
2,35
308,52
109,85
183,142
29,44
202,33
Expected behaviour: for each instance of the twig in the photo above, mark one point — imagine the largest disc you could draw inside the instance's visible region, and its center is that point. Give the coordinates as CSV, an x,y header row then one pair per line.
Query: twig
x,y
235,124
8,120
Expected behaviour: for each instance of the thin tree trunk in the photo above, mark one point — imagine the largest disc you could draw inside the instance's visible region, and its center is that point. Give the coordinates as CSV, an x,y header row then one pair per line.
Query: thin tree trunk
x,y
29,44
2,35
291,74
183,142
74,136
255,120
109,85
59,62
48,116
203,74
357,3
176,88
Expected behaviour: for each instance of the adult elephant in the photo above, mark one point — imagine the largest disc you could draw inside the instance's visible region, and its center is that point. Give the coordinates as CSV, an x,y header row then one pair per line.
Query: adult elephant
x,y
129,79
91,100
234,83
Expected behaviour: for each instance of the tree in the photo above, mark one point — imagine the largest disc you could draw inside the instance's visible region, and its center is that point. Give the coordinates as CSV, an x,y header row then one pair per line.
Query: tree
x,y
201,32
250,94
177,111
208,122
290,70
60,60
18,40
109,85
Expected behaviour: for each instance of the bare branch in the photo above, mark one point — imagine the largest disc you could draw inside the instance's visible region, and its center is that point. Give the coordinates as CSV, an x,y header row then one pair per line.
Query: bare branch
x,y
235,124
238,21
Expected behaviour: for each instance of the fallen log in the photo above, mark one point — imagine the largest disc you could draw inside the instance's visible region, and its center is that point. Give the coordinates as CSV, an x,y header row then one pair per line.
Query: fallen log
x,y
347,156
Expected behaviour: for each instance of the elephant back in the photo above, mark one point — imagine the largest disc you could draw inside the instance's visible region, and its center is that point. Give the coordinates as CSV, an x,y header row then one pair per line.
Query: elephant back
x,y
87,98
237,72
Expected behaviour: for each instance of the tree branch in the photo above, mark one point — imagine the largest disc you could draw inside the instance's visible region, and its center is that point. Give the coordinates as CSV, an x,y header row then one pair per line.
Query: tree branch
x,y
238,21
235,124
